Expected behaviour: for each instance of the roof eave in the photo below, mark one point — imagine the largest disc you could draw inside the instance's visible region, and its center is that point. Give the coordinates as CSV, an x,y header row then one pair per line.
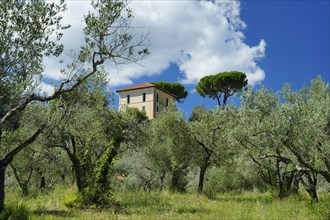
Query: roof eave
x,y
124,90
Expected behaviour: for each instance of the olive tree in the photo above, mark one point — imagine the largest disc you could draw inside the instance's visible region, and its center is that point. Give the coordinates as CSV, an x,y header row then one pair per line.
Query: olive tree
x,y
286,135
171,147
28,29
91,135
209,129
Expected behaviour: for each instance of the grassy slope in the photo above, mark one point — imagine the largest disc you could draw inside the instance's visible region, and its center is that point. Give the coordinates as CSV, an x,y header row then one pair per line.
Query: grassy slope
x,y
165,205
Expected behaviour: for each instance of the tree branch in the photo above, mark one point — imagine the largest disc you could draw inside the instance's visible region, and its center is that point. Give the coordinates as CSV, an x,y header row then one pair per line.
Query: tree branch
x,y
55,95
10,156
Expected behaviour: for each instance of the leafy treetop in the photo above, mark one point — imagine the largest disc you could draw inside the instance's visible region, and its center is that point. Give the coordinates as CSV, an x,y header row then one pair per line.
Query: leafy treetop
x,y
226,83
174,88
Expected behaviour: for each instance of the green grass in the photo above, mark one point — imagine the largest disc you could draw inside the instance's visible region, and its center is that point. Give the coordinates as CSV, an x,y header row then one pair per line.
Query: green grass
x,y
166,205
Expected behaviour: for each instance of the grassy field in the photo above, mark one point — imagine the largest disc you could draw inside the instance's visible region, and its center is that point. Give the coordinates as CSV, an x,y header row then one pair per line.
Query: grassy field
x,y
166,205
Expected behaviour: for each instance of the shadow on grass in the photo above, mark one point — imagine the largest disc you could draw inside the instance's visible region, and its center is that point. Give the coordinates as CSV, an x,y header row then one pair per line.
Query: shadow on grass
x,y
55,213
245,199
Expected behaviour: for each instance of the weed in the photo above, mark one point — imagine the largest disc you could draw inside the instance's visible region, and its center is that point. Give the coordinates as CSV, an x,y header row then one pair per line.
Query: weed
x,y
61,204
18,211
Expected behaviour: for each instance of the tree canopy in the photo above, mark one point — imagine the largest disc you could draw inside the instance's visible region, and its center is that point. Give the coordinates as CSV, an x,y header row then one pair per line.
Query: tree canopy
x,y
174,88
225,83
31,31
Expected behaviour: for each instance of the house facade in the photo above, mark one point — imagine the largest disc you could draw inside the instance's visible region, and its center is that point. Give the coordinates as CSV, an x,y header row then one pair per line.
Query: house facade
x,y
146,97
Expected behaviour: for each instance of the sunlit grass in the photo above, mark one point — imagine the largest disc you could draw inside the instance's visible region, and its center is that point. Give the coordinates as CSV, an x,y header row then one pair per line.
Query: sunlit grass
x,y
167,205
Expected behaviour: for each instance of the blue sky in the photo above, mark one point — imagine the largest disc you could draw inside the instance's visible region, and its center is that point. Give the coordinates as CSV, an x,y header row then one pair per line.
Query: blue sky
x,y
272,41
297,37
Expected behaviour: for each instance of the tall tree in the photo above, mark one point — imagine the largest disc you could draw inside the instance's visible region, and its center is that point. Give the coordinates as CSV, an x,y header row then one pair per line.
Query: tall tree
x,y
226,84
171,147
287,134
209,128
176,89
28,29
92,135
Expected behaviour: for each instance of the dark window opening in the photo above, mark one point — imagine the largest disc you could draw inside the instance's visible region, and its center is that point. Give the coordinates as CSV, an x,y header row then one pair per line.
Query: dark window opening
x,y
166,102
143,97
128,99
157,97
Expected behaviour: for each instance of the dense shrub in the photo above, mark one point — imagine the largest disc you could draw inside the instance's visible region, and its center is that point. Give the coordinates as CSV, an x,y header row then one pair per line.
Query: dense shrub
x,y
225,179
17,211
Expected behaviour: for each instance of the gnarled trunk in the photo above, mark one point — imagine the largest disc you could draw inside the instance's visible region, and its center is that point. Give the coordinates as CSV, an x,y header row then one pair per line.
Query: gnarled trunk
x,y
309,182
202,172
77,172
205,164
201,179
23,184
2,186
162,177
42,183
9,157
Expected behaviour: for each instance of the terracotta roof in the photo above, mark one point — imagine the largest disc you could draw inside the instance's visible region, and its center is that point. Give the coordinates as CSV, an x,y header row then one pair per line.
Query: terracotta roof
x,y
139,86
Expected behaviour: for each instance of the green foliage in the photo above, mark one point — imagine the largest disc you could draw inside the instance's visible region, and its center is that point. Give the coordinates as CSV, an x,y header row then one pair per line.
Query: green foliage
x,y
287,138
131,172
92,136
171,147
166,205
98,190
161,159
175,88
226,179
26,29
17,211
112,25
226,84
31,31
179,179
210,130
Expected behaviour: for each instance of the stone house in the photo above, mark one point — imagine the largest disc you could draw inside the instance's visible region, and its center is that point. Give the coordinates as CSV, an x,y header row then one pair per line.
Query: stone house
x,y
146,97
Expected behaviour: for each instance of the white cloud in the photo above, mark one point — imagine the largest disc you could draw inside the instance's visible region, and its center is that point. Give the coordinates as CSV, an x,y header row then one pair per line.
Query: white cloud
x,y
72,39
46,89
201,37
41,88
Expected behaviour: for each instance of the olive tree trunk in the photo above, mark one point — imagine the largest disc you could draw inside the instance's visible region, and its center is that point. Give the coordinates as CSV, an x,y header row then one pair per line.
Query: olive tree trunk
x,y
2,186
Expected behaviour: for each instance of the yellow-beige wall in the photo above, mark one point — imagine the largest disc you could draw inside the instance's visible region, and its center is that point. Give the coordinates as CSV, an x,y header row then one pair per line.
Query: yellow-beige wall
x,y
136,100
150,103
162,100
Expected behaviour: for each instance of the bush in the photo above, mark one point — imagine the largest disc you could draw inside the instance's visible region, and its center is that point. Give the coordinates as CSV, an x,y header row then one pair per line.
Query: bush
x,y
17,211
89,199
225,179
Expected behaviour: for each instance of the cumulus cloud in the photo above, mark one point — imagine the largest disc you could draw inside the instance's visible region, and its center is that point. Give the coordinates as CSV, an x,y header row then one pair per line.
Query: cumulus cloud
x,y
201,37
46,89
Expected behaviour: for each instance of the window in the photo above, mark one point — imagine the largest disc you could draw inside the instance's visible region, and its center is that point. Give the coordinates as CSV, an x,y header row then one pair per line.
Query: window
x,y
143,108
143,97
157,109
166,101
157,97
128,99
